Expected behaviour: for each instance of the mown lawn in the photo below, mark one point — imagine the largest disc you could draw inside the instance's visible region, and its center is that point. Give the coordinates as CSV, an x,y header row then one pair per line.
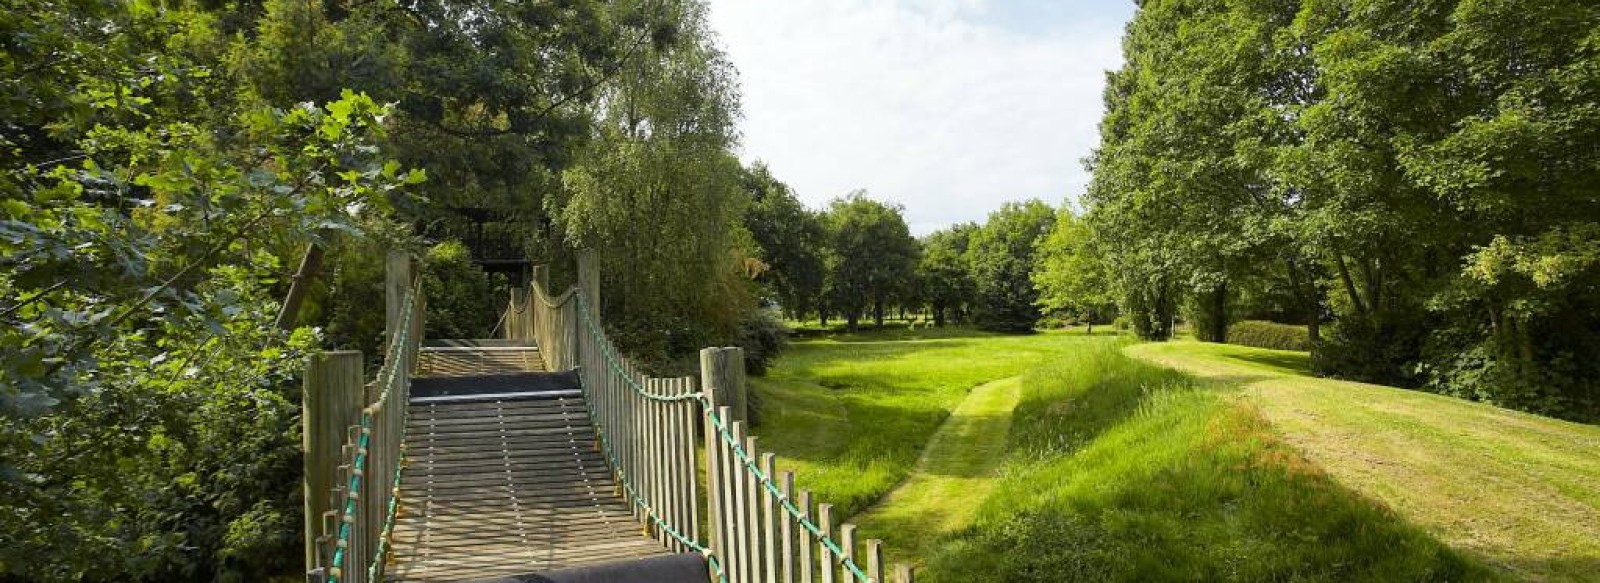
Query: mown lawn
x,y
851,413
1518,491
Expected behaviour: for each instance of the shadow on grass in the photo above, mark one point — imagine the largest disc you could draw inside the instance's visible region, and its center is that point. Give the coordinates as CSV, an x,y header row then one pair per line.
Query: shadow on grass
x,y
1130,472
1289,362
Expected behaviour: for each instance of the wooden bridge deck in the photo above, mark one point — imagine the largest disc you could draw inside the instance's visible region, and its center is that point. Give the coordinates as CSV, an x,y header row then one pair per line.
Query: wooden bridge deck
x,y
504,477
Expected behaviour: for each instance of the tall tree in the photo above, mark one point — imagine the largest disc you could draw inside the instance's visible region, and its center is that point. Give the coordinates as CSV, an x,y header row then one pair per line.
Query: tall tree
x,y
945,274
663,156
1071,272
1001,256
872,256
791,239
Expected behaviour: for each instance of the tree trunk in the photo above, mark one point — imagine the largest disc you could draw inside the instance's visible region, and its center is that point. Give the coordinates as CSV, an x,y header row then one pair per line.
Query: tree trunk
x,y
310,266
1350,285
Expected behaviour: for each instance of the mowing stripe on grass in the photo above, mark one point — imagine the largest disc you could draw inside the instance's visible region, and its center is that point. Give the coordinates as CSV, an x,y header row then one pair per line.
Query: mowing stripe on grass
x,y
951,478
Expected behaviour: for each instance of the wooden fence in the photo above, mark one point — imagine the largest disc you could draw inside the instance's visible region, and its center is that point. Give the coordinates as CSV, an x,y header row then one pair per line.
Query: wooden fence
x,y
353,437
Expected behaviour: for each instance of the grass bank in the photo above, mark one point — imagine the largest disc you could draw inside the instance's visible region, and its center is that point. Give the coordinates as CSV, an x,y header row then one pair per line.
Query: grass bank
x,y
1518,491
1123,471
851,413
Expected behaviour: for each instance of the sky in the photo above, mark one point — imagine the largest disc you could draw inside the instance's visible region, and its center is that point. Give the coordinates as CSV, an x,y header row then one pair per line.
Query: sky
x,y
948,107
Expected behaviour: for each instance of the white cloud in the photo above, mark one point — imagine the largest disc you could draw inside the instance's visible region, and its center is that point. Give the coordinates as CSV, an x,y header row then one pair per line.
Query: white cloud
x,y
934,105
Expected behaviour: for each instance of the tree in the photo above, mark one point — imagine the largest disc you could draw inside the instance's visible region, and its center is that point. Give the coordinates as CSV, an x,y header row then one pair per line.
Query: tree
x,y
1001,256
872,256
1070,272
945,274
791,240
662,156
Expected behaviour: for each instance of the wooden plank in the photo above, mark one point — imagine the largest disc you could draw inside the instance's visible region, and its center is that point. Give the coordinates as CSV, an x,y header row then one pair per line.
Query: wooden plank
x,y
769,524
808,567
847,542
825,524
786,528
903,573
875,560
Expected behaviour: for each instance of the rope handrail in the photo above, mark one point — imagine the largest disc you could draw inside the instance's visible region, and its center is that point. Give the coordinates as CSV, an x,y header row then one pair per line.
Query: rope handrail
x,y
639,499
393,356
787,504
613,361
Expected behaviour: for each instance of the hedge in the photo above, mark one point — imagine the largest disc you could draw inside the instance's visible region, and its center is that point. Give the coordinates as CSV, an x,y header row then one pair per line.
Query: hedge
x,y
1272,335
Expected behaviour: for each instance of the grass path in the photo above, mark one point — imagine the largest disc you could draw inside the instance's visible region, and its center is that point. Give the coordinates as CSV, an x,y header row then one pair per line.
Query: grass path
x,y
1519,491
952,477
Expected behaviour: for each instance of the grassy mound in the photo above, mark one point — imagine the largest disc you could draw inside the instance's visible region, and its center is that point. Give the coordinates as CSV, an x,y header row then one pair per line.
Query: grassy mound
x,y
1123,471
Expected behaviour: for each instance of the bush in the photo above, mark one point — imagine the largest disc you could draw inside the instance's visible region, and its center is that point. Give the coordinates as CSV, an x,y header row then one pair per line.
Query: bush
x,y
461,301
763,337
1271,335
1381,348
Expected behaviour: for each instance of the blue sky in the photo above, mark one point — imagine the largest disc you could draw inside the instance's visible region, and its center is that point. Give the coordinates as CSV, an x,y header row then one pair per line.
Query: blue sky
x,y
949,107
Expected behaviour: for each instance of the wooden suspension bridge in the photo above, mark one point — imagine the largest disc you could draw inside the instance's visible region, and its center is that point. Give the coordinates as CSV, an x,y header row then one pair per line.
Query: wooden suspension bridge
x,y
546,456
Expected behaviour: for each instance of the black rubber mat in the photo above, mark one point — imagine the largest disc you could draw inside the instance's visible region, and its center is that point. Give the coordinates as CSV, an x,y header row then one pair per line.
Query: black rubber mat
x,y
493,384
681,568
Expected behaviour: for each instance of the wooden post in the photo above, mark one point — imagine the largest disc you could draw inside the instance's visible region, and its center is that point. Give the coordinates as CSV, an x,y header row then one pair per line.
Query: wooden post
x,y
397,279
331,402
515,314
904,574
722,372
541,278
875,560
589,280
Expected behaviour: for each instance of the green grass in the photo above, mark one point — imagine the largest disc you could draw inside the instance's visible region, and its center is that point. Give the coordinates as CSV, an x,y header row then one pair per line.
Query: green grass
x,y
1517,491
1122,471
851,413
955,472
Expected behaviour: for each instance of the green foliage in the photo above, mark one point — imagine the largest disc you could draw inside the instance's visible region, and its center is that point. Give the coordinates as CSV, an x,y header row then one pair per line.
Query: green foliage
x,y
662,157
1001,256
763,337
1269,335
1420,171
791,240
1071,274
459,295
872,258
1126,472
945,275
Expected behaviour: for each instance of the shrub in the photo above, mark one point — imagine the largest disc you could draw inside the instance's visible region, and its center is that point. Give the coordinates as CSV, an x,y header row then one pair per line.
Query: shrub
x,y
461,300
1261,334
763,337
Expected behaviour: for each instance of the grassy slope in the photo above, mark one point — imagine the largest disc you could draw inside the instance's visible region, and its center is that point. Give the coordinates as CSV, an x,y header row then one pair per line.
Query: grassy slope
x,y
1121,471
954,474
1518,490
851,413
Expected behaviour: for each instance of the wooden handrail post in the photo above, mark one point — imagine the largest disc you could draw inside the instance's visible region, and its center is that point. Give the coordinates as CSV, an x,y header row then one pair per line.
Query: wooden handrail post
x,y
331,403
541,278
589,279
396,281
722,375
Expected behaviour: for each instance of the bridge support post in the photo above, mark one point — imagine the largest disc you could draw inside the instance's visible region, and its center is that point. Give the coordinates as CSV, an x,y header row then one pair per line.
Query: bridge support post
x,y
589,280
397,279
541,278
722,376
331,404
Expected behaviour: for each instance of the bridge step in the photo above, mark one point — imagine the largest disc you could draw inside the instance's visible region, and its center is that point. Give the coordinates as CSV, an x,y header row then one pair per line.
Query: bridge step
x,y
503,479
448,358
682,568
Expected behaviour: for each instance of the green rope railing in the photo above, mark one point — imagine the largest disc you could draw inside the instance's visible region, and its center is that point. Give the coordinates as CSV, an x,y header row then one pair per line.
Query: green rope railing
x,y
387,376
637,499
607,351
609,355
